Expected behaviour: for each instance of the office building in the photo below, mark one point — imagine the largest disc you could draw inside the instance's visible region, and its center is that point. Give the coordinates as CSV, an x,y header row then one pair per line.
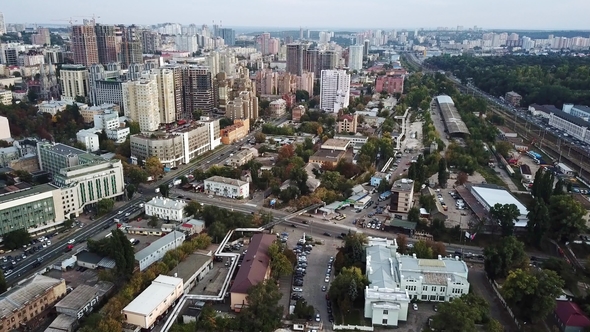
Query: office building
x,y
255,268
131,48
141,102
55,156
296,58
106,85
243,106
30,303
402,196
33,209
84,45
235,132
228,35
278,108
334,90
74,82
178,145
4,128
197,87
157,249
227,187
41,37
395,280
107,43
390,83
166,94
347,124
165,208
153,303
90,181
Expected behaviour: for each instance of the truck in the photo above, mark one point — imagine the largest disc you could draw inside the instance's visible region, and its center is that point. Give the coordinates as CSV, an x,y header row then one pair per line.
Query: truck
x,y
384,195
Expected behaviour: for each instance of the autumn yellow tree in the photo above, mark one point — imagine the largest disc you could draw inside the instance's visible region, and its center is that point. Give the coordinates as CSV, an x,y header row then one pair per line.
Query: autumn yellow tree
x,y
154,167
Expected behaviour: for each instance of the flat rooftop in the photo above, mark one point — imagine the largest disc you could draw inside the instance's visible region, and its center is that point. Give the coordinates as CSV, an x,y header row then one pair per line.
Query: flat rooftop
x,y
403,185
570,118
221,179
167,203
187,268
335,142
493,196
11,196
62,149
83,294
160,289
328,155
451,116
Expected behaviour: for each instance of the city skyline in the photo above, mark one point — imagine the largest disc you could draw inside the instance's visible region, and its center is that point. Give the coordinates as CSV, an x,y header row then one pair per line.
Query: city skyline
x,y
504,14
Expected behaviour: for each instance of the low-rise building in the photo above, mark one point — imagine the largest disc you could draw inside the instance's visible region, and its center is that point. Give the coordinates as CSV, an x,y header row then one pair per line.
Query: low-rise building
x,y
8,155
395,280
297,113
327,157
192,227
29,303
55,106
227,187
156,251
254,270
570,318
83,299
390,84
154,301
513,98
402,196
165,208
278,108
336,144
240,158
347,124
89,139
235,132
179,145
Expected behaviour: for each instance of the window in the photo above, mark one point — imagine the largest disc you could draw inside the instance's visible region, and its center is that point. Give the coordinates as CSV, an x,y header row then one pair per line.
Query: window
x,y
424,297
434,288
385,322
385,312
424,288
442,289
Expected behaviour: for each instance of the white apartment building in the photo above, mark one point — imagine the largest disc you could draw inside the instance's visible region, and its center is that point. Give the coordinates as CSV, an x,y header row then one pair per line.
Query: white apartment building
x,y
109,122
334,90
187,43
4,128
165,208
93,180
395,279
355,57
226,187
166,101
157,249
573,125
278,108
5,97
89,138
140,102
74,82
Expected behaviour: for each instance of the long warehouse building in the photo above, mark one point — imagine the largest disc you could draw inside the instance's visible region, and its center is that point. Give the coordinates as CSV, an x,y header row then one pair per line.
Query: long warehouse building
x,y
451,117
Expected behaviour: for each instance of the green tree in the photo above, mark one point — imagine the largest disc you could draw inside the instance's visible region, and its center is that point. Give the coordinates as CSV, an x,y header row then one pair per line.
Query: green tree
x,y
402,243
154,167
423,250
347,287
427,202
16,239
154,221
558,190
263,313
493,326
504,256
131,191
192,208
105,206
503,148
532,292
538,221
260,137
567,218
383,186
414,215
303,310
353,251
118,248
443,175
505,215
280,265
461,314
133,128
164,190
136,174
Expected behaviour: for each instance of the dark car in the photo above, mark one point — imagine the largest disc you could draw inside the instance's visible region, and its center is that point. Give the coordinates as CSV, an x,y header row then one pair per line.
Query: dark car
x,y
327,234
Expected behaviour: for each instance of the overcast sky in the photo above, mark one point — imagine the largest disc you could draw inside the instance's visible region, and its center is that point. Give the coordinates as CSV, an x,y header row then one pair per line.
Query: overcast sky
x,y
353,14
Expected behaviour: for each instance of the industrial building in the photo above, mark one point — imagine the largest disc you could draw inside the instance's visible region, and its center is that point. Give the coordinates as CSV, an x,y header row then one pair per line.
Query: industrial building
x,y
154,301
490,195
83,299
451,117
156,251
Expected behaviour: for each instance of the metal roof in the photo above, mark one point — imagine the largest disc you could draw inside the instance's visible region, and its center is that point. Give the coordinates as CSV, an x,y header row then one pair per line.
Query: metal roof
x,y
382,269
570,118
19,296
80,296
158,244
493,196
451,116
161,288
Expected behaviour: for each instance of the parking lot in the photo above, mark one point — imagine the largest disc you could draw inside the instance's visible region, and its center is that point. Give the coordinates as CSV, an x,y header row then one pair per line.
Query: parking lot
x,y
314,275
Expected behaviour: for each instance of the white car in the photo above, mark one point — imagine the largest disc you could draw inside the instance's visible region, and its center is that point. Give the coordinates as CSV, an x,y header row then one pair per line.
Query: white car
x,y
297,289
48,242
415,306
317,317
119,212
72,241
327,279
127,214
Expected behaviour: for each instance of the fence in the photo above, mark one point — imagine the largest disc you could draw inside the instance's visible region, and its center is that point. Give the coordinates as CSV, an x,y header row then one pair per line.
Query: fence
x,y
495,288
351,328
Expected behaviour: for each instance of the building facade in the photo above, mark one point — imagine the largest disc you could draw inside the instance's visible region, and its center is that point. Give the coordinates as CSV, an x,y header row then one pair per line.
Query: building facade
x,y
390,83
5,97
165,208
334,90
107,43
55,156
402,196
157,249
166,94
278,108
355,57
74,82
297,113
84,45
347,124
513,98
227,187
141,104
237,131
89,139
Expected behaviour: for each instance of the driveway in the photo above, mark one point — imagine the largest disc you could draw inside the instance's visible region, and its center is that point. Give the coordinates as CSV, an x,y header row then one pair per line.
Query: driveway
x,y
481,286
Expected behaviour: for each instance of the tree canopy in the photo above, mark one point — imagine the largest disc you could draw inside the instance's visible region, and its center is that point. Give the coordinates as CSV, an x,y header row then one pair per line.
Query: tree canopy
x,y
461,314
504,256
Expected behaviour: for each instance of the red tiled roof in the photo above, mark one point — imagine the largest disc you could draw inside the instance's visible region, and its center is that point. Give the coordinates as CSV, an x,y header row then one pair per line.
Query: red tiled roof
x,y
254,265
570,314
187,225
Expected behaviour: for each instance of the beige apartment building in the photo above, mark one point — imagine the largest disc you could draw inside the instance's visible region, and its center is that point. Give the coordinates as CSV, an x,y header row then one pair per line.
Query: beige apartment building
x,y
237,131
347,124
402,196
140,102
74,82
